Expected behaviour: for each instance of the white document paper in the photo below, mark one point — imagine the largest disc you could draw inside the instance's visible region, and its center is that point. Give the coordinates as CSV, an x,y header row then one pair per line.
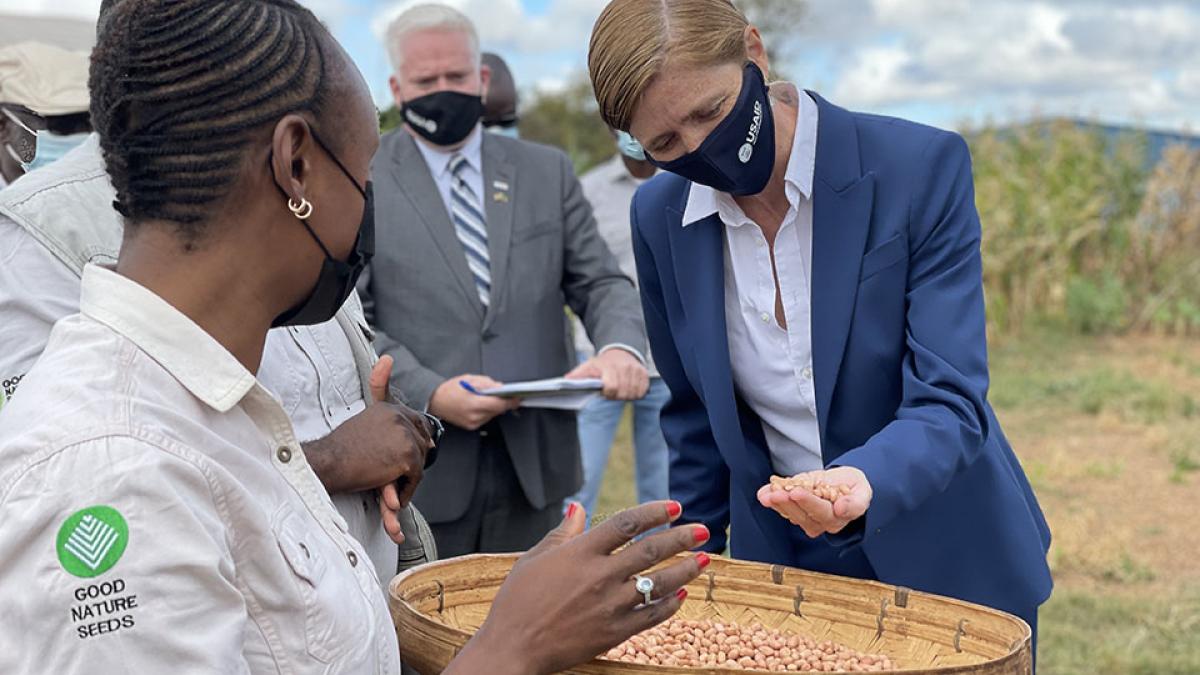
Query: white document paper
x,y
557,392
555,386
574,401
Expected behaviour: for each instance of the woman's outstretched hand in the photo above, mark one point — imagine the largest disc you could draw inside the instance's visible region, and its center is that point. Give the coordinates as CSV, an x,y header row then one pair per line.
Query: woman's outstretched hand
x,y
572,596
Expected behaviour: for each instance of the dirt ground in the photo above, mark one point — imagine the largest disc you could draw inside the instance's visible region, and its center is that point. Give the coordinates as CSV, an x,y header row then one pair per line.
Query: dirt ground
x,y
1109,434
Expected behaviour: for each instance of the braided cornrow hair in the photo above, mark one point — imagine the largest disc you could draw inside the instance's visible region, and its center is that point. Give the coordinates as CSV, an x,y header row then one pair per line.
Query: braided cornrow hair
x,y
177,87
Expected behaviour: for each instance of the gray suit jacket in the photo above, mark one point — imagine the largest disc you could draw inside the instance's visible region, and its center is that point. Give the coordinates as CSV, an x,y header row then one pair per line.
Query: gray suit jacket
x,y
420,298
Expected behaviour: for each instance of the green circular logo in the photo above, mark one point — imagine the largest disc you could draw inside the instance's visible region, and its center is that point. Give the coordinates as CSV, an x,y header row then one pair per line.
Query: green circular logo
x,y
92,540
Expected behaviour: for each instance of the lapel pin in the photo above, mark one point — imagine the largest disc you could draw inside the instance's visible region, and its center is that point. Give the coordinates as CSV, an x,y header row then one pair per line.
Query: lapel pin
x,y
500,185
501,197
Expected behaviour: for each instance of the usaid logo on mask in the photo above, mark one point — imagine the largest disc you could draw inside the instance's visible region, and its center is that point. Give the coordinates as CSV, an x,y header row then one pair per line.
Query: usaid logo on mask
x,y
417,120
728,159
747,150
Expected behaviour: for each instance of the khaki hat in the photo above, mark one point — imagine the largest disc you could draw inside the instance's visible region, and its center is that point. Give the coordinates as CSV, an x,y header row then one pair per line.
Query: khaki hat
x,y
47,80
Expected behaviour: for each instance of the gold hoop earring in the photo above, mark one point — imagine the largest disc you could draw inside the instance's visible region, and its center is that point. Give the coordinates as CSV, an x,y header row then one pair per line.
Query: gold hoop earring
x,y
302,209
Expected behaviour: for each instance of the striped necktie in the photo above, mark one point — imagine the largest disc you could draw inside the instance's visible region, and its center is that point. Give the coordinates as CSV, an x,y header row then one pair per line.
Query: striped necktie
x,y
469,225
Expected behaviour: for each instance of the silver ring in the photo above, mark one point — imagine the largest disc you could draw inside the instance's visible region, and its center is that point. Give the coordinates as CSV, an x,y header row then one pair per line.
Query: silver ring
x,y
645,586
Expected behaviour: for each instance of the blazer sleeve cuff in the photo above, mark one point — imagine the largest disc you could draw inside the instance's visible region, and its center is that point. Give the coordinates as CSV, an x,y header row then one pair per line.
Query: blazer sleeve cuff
x,y
622,346
886,499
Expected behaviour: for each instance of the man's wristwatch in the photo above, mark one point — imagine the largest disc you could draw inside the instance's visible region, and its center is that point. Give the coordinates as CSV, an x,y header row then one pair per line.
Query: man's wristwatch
x,y
436,431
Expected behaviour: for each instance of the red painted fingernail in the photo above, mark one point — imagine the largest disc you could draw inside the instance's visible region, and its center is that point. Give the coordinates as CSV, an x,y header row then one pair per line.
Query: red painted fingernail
x,y
703,560
681,594
701,534
571,510
674,509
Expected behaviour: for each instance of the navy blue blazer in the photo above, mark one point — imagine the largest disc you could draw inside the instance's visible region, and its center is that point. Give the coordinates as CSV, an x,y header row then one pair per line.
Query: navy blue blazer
x,y
900,367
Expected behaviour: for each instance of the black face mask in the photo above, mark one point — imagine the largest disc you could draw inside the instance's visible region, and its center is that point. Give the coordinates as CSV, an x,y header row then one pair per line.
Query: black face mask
x,y
739,155
336,280
443,117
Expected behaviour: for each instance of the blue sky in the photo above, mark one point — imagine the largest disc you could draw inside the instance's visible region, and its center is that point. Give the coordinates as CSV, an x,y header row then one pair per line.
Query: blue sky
x,y
944,62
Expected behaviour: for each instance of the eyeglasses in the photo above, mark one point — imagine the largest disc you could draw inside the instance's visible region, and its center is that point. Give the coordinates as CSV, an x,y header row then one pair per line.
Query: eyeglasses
x,y
20,137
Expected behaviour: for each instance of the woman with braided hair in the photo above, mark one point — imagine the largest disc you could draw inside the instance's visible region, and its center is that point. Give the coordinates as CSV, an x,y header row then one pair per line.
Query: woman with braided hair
x,y
156,512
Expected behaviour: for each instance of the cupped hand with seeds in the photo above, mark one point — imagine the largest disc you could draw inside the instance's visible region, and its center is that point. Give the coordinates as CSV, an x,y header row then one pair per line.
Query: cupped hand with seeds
x,y
819,502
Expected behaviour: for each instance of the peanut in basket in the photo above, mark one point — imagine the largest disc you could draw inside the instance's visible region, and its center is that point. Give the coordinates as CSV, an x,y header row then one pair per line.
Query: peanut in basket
x,y
708,644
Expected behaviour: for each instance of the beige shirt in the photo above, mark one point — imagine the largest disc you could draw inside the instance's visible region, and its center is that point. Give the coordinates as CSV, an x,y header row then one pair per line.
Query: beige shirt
x,y
157,513
311,369
772,365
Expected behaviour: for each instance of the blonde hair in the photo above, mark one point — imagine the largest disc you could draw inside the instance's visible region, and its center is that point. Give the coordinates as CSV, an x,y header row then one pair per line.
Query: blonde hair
x,y
429,16
633,39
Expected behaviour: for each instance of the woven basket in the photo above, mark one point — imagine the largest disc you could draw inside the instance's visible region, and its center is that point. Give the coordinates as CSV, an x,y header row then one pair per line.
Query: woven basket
x,y
438,607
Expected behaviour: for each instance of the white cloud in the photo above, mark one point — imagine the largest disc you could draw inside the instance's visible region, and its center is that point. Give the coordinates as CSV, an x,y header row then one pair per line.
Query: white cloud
x,y
1119,60
1108,59
328,10
1006,57
507,25
76,9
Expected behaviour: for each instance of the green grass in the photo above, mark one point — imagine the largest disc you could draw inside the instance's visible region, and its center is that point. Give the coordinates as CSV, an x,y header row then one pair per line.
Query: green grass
x,y
619,490
1050,371
1127,570
1181,360
1105,470
1037,382
1183,463
1101,634
1038,474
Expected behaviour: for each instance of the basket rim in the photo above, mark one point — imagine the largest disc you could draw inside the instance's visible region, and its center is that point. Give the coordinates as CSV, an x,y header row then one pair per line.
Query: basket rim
x,y
1013,650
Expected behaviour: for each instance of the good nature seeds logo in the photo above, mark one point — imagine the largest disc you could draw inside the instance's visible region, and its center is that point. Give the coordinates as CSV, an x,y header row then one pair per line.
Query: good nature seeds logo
x,y
8,387
91,541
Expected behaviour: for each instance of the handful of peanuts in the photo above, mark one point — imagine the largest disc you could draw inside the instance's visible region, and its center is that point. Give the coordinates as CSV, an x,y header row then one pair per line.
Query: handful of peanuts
x,y
818,487
707,644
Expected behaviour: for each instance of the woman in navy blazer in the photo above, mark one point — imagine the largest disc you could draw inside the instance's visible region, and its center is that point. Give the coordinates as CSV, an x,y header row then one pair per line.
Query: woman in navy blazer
x,y
894,327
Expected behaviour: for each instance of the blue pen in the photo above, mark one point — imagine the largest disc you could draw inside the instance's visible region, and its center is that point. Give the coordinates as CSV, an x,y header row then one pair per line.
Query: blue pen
x,y
467,385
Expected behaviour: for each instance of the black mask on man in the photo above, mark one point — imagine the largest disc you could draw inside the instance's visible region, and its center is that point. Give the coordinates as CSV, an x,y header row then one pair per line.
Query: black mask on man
x,y
443,117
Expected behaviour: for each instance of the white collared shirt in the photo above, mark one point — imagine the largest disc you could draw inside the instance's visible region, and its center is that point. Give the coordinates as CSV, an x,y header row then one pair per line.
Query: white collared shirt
x,y
310,369
438,161
772,366
224,553
313,374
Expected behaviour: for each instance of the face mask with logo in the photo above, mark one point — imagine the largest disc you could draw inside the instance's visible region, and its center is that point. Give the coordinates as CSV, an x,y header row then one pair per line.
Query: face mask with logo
x,y
443,117
629,146
336,280
739,155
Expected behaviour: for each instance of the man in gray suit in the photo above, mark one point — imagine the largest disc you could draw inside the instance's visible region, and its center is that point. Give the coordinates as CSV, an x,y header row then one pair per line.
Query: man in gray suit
x,y
481,241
